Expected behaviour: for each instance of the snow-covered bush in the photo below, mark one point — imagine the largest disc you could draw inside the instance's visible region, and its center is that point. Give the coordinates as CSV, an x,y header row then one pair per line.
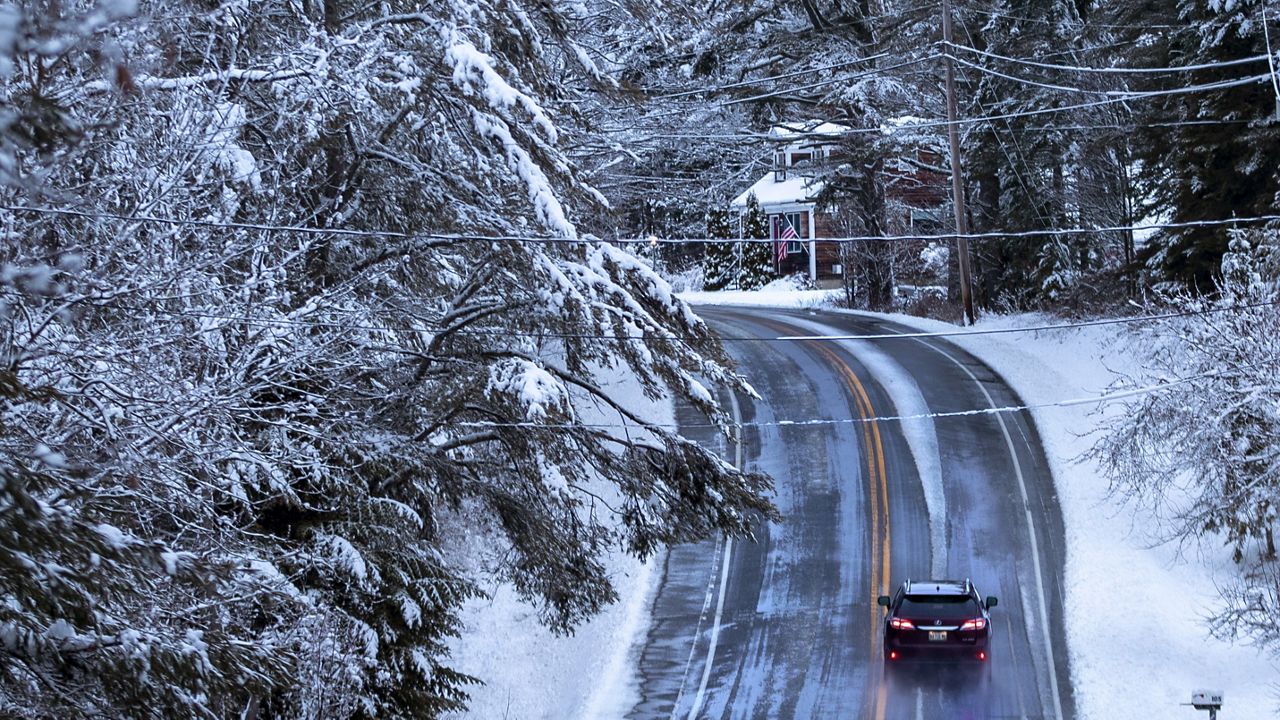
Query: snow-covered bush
x,y
935,257
1202,453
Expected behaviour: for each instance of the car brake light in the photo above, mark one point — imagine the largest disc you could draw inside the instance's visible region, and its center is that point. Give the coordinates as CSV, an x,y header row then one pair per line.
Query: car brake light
x,y
982,656
974,624
893,654
901,624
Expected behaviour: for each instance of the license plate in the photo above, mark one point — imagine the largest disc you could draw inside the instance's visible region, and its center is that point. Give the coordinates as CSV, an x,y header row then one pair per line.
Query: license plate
x,y
937,636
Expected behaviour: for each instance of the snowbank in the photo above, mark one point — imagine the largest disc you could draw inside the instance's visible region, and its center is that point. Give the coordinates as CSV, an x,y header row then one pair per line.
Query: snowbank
x,y
529,672
782,292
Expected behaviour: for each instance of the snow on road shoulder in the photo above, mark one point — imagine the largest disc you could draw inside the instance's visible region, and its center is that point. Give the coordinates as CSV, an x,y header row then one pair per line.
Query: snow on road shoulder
x,y
1135,609
783,292
529,672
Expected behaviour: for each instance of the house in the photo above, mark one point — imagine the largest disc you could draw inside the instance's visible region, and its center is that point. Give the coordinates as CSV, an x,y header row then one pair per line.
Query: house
x,y
788,195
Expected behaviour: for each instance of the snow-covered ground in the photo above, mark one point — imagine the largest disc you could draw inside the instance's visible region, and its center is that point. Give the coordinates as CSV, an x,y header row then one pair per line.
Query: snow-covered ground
x,y
1135,610
529,672
782,292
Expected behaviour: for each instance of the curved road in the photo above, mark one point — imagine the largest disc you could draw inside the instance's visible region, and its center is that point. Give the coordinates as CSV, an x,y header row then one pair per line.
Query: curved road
x,y
787,626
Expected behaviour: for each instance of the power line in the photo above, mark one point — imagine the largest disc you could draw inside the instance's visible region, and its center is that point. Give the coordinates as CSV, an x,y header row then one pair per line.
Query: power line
x,y
1128,96
1084,23
1031,328
1138,95
795,88
818,422
883,129
831,81
673,337
771,78
1113,70
821,68
1208,87
446,238
434,238
1118,94
1004,149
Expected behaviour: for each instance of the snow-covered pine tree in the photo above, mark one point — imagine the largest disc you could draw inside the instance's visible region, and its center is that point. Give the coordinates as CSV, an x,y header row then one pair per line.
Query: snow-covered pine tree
x,y
261,363
1211,154
719,260
757,264
1022,167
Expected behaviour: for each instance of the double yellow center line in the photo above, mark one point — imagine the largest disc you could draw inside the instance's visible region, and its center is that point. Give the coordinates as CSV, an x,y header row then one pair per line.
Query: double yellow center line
x,y
878,502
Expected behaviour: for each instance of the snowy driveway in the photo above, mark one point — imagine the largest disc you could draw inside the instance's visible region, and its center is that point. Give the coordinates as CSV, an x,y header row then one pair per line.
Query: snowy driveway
x,y
788,626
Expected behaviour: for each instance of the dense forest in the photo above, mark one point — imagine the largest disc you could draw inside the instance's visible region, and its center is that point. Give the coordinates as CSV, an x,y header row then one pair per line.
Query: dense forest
x,y
291,292
1095,138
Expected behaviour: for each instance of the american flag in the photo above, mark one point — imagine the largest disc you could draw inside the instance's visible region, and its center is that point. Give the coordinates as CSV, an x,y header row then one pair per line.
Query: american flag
x,y
786,236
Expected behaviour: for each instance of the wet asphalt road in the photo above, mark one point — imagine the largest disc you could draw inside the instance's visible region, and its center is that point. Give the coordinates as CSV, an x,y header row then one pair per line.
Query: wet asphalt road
x,y
787,626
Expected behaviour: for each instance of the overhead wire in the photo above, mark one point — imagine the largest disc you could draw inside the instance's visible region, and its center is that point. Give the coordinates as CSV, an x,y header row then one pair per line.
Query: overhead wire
x,y
1111,70
1271,58
830,81
1042,21
1124,97
1207,87
887,129
818,422
1019,174
806,71
431,326
770,78
446,238
1117,94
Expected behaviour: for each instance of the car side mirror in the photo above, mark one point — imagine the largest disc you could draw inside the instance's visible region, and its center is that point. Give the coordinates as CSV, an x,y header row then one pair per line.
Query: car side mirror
x,y
883,600
991,601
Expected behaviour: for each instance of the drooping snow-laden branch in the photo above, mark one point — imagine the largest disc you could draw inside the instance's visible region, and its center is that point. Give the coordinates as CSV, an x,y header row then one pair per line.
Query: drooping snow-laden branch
x,y
234,471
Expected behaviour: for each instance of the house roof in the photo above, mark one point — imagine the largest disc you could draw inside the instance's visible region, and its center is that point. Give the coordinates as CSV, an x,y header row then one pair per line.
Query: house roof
x,y
795,189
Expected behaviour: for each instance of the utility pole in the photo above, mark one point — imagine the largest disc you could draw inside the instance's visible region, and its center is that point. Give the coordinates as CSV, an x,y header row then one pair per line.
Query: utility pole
x,y
957,182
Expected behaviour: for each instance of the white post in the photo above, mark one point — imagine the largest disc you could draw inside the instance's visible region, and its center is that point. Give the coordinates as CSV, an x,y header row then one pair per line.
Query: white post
x,y
813,248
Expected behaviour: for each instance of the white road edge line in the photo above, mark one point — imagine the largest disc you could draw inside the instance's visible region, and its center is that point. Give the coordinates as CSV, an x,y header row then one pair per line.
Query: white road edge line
x,y
700,696
1031,530
697,630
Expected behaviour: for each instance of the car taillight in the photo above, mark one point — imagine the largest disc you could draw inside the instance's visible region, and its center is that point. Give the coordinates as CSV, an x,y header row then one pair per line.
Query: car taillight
x,y
901,624
974,624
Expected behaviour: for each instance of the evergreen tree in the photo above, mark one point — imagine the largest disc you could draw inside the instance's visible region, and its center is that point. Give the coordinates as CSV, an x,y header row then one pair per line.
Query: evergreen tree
x,y
719,259
261,373
1023,178
1225,160
756,269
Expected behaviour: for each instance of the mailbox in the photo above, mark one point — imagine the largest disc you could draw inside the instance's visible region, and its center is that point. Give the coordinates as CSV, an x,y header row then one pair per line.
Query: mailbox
x,y
1206,699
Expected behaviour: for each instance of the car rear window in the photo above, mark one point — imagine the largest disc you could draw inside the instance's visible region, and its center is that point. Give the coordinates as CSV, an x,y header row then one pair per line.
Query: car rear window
x,y
940,606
